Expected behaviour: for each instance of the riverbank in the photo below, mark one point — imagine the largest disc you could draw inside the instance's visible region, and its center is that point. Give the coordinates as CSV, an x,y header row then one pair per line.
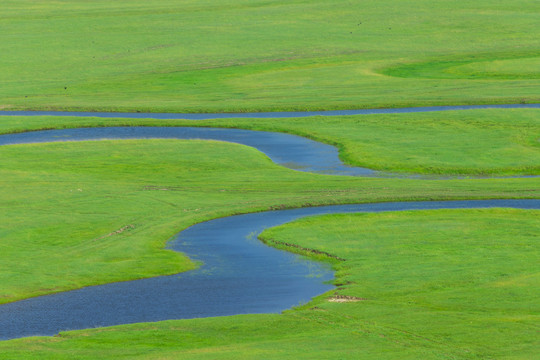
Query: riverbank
x,y
402,305
489,142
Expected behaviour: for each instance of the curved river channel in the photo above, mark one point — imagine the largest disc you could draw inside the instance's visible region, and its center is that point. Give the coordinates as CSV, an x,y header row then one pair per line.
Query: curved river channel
x,y
238,275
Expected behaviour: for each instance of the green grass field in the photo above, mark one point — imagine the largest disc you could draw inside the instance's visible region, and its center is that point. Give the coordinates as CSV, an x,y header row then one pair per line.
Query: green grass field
x,y
474,142
460,284
60,203
253,55
454,284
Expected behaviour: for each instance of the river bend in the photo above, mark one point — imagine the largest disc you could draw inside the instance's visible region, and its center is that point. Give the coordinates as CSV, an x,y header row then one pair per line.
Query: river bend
x,y
239,274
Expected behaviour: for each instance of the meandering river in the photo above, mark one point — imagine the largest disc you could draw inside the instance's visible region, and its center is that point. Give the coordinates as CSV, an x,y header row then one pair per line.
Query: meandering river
x,y
239,274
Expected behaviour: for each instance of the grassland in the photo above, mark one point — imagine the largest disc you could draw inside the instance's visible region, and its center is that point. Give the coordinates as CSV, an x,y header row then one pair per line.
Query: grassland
x,y
474,142
452,284
438,285
62,204
240,55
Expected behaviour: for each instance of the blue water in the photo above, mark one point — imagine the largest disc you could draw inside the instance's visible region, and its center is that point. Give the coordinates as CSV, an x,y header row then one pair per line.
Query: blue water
x,y
291,151
266,115
239,275
288,150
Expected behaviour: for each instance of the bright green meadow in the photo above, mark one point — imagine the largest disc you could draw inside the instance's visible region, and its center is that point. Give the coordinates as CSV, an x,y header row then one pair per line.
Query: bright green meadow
x,y
261,55
445,284
63,202
475,142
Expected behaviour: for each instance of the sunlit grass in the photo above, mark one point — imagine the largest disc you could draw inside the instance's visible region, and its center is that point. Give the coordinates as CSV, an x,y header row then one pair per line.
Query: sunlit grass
x,y
444,284
239,55
472,142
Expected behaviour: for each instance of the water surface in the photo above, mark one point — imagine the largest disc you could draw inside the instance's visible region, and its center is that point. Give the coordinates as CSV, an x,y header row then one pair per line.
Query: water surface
x,y
266,115
239,275
294,152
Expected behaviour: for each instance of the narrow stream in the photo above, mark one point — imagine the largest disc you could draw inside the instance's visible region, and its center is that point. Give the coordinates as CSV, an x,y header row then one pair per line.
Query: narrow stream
x,y
239,274
266,115
291,151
